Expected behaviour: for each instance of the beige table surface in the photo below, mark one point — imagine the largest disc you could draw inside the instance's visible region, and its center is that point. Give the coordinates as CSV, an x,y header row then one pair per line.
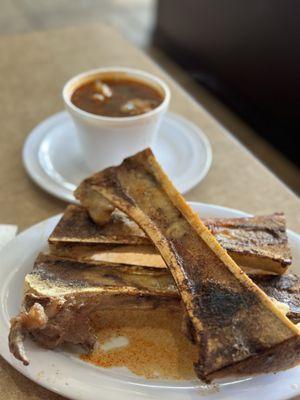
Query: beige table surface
x,y
33,69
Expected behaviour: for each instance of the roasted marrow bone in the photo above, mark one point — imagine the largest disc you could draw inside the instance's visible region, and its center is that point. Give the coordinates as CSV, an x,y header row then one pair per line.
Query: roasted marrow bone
x,y
257,244
76,226
99,209
62,294
62,298
238,328
284,289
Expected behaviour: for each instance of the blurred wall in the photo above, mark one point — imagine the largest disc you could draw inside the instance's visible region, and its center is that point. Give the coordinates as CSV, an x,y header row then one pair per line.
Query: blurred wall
x,y
247,52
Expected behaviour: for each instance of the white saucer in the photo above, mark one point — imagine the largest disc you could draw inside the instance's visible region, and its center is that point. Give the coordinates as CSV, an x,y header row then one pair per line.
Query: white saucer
x,y
52,156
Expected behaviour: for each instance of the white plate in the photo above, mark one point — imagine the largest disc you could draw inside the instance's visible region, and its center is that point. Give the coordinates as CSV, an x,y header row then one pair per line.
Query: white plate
x,y
65,374
52,156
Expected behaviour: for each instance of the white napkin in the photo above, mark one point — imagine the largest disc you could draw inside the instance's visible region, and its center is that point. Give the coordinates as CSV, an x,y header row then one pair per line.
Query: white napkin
x,y
7,233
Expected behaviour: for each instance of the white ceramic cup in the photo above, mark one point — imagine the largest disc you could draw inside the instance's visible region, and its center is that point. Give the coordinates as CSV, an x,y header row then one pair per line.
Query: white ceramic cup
x,y
106,141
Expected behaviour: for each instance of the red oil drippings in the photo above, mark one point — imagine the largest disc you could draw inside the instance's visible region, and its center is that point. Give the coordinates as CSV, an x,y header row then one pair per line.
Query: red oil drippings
x,y
156,345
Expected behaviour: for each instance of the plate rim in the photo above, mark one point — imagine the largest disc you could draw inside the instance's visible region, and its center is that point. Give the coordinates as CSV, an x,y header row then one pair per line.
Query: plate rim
x,y
31,161
35,171
66,390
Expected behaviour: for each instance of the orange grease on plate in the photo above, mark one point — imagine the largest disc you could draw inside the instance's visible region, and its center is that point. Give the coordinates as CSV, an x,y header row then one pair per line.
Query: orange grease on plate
x,y
157,347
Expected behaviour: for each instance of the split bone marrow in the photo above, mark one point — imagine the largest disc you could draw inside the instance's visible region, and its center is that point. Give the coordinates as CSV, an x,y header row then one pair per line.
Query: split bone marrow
x,y
237,326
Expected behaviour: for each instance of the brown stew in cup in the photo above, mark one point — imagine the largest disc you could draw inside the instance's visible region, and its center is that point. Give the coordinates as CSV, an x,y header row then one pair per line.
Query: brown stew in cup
x,y
116,97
